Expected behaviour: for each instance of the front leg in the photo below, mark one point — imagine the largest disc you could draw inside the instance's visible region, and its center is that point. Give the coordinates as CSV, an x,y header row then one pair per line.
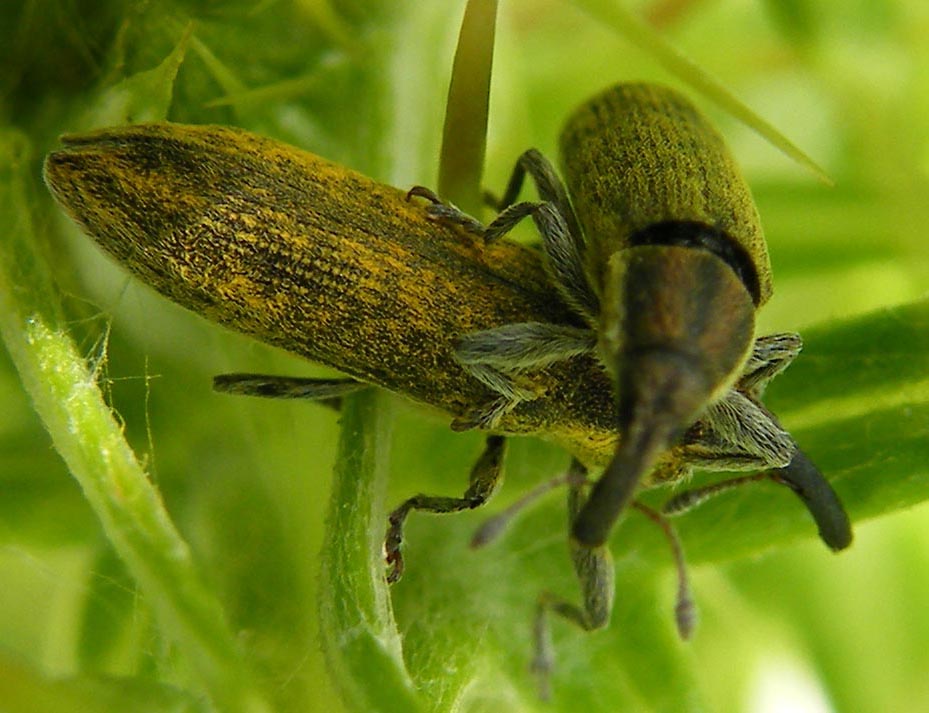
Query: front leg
x,y
593,567
564,261
554,217
486,476
557,223
770,355
493,356
741,425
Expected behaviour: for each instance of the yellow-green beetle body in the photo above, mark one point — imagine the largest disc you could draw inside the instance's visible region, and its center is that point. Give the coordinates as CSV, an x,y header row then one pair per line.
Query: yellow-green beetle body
x,y
640,155
285,246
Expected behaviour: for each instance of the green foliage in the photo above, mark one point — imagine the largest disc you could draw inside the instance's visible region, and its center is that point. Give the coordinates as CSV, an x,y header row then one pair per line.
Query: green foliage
x,y
190,571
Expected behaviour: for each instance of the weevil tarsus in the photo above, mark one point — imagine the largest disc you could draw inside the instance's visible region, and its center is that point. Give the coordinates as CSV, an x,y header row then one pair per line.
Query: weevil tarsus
x,y
492,356
486,476
491,377
328,392
446,212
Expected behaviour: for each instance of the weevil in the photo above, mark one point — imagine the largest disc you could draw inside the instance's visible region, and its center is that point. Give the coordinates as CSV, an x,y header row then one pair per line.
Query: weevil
x,y
654,241
659,249
321,261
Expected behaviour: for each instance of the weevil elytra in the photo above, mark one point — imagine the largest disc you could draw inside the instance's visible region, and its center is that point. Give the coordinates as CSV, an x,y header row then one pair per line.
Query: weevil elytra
x,y
306,255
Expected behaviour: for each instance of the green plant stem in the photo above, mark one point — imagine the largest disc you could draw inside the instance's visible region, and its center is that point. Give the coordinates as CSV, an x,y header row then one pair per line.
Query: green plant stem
x,y
356,621
464,138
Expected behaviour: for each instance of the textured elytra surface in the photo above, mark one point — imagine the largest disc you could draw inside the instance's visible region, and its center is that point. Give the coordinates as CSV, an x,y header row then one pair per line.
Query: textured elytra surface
x,y
641,154
301,253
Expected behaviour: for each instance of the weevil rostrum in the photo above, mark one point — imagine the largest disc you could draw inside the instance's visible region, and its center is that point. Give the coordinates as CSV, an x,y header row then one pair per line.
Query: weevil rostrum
x,y
628,340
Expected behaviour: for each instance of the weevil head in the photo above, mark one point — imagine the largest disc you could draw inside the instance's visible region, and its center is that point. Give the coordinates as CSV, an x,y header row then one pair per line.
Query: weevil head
x,y
676,327
685,303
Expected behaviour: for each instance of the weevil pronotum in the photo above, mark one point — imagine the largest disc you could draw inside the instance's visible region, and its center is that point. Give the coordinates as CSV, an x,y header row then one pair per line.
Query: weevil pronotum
x,y
629,341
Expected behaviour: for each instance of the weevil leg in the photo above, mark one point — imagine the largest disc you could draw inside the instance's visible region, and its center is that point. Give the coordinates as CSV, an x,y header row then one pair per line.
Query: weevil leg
x,y
446,212
327,391
554,217
595,573
803,478
593,567
550,188
494,526
486,476
687,500
565,261
487,417
770,355
745,426
493,354
524,345
685,612
500,383
558,224
737,432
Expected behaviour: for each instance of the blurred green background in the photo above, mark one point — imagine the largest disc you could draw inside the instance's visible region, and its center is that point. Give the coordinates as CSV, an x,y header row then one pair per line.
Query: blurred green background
x,y
784,624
